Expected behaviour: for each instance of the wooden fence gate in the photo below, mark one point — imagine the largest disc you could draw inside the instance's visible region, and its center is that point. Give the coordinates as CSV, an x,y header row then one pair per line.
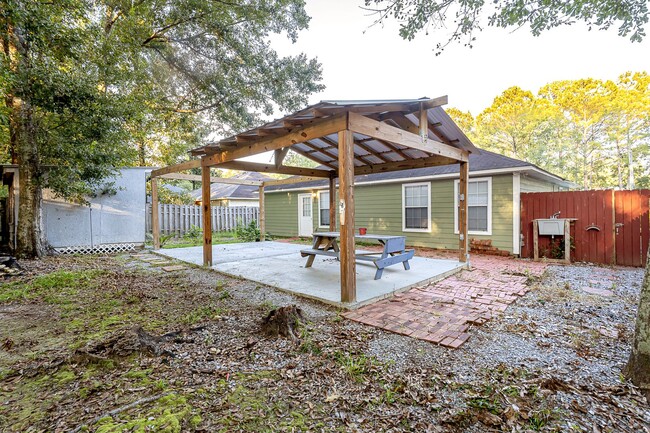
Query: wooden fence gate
x,y
611,227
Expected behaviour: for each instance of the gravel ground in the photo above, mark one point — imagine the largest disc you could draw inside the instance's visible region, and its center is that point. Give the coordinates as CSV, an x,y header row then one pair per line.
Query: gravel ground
x,y
555,327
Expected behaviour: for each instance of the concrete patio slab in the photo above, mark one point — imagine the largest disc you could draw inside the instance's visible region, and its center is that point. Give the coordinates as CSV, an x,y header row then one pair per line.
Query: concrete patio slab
x,y
280,265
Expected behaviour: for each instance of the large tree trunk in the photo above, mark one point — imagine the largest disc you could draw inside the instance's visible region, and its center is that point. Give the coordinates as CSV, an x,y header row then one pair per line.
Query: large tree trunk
x,y
630,164
638,366
29,234
24,149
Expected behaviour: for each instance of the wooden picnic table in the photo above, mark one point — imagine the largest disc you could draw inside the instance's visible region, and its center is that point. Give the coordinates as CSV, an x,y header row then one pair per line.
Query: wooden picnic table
x,y
394,251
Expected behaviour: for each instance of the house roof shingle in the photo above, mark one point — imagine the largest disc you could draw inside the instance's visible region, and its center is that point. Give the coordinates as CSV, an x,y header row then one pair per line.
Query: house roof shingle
x,y
220,191
478,161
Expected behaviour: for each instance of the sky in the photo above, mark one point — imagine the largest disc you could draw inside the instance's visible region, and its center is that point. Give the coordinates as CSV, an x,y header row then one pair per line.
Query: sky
x,y
361,61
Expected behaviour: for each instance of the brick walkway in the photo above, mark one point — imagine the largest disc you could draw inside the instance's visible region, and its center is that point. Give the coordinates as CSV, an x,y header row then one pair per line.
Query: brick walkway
x,y
443,312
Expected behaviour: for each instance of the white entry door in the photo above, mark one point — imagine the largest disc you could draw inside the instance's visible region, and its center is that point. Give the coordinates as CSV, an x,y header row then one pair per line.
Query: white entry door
x,y
305,221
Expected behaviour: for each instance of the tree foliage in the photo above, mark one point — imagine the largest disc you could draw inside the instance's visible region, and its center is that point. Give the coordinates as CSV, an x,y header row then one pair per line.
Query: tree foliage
x,y
595,133
466,17
297,160
89,86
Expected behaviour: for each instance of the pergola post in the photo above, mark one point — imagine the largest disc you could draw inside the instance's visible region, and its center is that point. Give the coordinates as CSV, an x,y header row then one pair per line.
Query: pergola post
x,y
207,215
155,222
423,128
346,216
462,212
332,190
262,215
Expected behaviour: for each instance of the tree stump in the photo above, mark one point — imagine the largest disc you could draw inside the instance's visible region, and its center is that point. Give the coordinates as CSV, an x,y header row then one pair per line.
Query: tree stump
x,y
284,321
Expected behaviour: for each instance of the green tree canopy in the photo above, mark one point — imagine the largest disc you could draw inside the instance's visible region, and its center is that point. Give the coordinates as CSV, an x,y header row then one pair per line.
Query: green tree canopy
x,y
467,17
92,85
595,133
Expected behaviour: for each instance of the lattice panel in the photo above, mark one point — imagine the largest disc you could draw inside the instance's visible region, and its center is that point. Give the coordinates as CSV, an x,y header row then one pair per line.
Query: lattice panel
x,y
99,249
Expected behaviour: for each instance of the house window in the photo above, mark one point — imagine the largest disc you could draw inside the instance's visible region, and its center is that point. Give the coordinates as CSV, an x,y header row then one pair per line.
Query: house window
x,y
416,207
479,206
323,209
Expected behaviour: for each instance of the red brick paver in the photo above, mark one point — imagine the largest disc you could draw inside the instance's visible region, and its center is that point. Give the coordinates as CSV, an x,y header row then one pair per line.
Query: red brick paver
x,y
443,312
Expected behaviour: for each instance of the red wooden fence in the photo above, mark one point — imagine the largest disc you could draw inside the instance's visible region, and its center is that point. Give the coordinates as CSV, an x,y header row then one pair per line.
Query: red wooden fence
x,y
611,227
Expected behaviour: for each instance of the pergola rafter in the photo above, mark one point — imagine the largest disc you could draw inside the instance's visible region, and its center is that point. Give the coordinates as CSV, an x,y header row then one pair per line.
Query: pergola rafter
x,y
345,138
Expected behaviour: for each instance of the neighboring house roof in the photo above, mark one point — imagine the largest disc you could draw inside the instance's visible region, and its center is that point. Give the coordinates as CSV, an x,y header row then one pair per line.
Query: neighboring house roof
x,y
222,191
481,161
173,188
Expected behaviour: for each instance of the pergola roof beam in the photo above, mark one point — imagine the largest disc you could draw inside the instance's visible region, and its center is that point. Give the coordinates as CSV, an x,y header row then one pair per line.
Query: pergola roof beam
x,y
187,165
371,151
213,179
404,165
383,131
408,106
316,129
361,158
290,180
270,168
307,154
278,156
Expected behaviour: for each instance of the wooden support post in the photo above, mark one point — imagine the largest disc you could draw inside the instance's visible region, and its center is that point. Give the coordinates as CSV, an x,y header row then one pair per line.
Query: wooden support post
x,y
155,221
346,216
207,216
424,122
332,204
462,213
262,215
535,240
567,240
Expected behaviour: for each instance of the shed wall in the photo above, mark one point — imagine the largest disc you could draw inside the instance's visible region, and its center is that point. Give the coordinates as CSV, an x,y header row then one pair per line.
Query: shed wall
x,y
110,219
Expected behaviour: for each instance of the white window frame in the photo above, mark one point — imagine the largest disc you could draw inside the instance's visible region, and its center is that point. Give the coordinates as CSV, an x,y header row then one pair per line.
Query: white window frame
x,y
489,206
404,186
320,224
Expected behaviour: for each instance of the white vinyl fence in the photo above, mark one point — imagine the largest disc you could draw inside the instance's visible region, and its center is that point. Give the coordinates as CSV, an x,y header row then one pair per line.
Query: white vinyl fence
x,y
178,219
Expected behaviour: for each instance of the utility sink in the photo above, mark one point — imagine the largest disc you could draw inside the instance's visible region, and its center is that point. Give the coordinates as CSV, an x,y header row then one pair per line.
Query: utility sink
x,y
551,226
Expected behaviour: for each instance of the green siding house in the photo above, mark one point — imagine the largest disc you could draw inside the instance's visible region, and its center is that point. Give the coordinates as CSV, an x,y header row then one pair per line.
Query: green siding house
x,y
420,204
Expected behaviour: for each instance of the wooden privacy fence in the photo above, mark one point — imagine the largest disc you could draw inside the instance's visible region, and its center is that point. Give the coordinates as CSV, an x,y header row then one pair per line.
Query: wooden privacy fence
x,y
611,227
178,219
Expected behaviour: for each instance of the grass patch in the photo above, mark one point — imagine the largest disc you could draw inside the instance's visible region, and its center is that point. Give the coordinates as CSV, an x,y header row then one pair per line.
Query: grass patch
x,y
36,399
54,288
207,312
357,366
169,414
186,242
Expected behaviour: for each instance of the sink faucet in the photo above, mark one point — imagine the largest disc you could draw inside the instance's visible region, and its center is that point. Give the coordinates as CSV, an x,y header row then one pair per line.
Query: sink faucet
x,y
555,215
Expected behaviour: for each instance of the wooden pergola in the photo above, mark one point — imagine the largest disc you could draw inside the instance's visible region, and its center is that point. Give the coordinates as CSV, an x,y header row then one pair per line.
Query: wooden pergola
x,y
347,139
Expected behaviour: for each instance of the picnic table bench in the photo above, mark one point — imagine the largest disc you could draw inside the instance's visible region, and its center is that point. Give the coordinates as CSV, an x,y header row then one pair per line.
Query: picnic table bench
x,y
394,252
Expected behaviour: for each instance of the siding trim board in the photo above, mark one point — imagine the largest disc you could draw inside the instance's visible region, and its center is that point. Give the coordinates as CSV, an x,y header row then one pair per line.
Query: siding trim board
x,y
516,213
